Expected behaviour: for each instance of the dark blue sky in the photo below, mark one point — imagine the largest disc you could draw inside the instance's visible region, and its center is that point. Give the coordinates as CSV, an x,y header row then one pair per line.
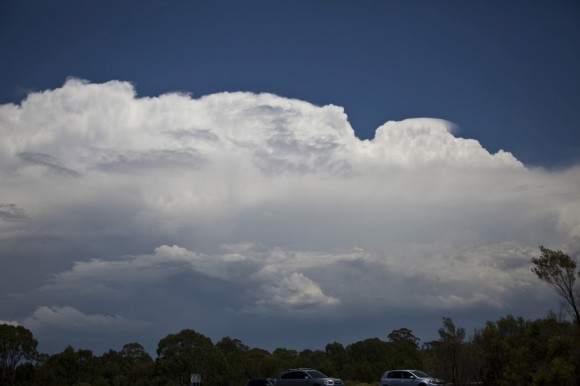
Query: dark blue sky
x,y
505,72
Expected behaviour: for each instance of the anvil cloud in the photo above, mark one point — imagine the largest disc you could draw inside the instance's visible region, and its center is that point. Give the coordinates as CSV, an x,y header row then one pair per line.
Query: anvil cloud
x,y
260,217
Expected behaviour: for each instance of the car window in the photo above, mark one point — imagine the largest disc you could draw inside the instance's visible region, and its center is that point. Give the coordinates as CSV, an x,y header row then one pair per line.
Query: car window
x,y
316,374
289,375
420,374
406,375
301,375
394,374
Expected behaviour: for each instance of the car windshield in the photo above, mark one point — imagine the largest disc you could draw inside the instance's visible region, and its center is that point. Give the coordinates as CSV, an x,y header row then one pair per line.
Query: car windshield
x,y
420,374
316,374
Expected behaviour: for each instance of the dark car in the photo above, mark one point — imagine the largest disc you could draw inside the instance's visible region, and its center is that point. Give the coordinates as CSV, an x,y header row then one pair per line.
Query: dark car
x,y
306,377
260,382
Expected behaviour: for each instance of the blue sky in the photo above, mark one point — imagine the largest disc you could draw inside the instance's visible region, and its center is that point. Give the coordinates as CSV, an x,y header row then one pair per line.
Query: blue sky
x,y
289,173
504,72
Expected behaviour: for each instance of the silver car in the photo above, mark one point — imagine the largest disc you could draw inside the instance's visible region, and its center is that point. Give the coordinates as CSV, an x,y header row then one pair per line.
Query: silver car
x,y
408,378
306,377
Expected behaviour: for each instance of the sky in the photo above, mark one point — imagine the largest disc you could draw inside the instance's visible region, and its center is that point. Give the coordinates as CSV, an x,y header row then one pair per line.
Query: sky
x,y
287,173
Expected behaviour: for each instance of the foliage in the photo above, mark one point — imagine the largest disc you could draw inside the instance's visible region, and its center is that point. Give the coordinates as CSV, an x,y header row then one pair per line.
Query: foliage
x,y
17,345
446,356
338,359
559,270
183,354
367,359
509,351
404,350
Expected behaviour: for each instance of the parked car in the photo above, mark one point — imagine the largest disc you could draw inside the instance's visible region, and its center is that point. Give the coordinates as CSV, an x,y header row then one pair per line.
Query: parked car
x,y
408,378
260,382
306,377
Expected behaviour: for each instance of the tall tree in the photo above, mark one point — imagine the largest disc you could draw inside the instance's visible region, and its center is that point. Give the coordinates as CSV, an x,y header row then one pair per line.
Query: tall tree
x,y
450,347
559,270
17,345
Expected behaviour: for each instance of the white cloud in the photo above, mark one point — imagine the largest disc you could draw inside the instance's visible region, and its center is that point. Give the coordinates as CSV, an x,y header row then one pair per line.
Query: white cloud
x,y
273,203
428,141
285,281
274,279
69,318
10,322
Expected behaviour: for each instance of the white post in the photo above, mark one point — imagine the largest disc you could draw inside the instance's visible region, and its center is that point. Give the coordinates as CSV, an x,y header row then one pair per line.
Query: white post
x,y
195,380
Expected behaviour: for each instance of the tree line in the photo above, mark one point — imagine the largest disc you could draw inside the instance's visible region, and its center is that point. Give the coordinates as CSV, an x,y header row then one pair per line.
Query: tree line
x,y
508,351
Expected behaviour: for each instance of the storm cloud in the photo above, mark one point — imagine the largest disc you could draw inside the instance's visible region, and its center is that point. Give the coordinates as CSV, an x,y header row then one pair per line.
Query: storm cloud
x,y
127,216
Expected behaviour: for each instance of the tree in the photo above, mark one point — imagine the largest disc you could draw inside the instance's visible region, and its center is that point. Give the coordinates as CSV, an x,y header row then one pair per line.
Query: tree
x,y
235,353
17,345
449,350
189,352
559,270
338,357
180,355
137,364
260,363
405,347
69,367
498,344
367,359
316,359
560,362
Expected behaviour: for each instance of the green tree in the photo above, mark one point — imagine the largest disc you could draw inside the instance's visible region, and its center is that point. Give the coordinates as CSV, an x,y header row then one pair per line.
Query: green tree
x,y
367,360
136,364
338,358
235,353
17,346
189,352
111,368
215,368
69,367
449,352
501,347
261,364
24,374
285,359
316,359
558,362
405,347
559,270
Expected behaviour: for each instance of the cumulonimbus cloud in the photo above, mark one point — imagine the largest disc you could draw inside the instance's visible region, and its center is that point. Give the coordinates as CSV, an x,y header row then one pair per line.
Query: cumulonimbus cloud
x,y
276,199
